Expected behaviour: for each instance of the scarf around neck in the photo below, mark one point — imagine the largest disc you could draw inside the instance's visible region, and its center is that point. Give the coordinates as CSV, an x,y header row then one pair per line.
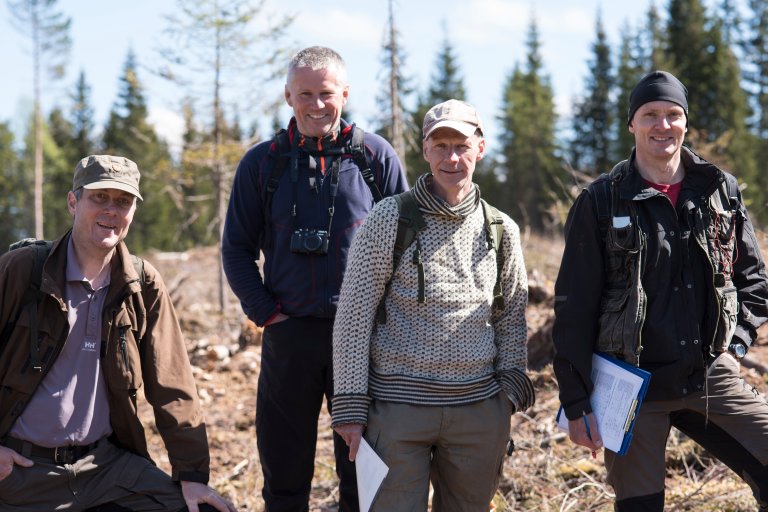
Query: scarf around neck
x,y
430,203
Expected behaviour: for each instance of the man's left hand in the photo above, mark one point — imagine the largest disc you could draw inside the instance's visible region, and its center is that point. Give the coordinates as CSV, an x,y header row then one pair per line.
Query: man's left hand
x,y
352,433
196,493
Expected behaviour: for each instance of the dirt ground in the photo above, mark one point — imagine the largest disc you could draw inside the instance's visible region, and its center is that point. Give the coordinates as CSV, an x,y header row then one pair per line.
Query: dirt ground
x,y
545,473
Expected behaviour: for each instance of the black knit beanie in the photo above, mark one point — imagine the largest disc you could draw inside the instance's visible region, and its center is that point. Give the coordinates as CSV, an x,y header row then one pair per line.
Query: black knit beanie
x,y
658,86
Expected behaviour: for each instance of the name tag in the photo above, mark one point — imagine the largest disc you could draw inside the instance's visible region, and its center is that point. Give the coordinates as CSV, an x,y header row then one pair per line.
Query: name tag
x,y
621,222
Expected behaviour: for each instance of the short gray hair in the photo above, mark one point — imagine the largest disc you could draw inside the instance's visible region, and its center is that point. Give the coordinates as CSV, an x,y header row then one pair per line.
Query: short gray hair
x,y
319,57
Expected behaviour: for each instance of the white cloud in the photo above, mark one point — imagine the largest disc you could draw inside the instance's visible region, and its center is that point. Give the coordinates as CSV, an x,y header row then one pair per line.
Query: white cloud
x,y
169,125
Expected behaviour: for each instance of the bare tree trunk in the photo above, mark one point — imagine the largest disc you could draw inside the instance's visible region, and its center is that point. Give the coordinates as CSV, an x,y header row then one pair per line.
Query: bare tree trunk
x,y
218,171
396,114
38,170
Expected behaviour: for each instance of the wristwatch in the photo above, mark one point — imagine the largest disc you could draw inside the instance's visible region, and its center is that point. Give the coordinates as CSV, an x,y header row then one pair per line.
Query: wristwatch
x,y
738,349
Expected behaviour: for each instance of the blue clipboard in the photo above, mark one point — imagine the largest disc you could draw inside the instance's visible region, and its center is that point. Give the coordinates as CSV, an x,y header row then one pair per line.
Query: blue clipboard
x,y
632,408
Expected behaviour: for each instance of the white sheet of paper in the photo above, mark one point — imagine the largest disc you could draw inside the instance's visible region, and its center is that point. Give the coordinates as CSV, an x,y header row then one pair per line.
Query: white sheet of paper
x,y
371,471
612,396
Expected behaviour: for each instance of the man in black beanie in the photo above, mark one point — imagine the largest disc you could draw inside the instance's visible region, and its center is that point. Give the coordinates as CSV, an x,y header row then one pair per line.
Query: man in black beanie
x,y
661,269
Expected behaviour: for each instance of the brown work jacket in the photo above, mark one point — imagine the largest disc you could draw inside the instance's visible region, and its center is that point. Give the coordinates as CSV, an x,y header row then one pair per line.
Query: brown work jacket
x,y
142,348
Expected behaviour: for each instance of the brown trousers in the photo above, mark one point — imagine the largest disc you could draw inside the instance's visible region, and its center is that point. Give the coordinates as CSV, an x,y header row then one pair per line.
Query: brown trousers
x,y
730,420
460,449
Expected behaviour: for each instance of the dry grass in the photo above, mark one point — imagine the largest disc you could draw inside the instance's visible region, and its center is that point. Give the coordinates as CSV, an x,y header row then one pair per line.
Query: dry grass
x,y
546,473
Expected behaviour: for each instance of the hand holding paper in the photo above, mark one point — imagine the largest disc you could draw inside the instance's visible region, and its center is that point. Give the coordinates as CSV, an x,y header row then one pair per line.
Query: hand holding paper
x,y
619,388
351,433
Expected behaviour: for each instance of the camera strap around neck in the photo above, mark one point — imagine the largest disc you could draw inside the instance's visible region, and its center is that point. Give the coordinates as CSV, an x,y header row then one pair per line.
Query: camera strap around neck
x,y
334,183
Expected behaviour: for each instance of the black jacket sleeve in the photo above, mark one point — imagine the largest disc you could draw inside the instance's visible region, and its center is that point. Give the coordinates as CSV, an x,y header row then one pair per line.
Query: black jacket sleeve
x,y
577,306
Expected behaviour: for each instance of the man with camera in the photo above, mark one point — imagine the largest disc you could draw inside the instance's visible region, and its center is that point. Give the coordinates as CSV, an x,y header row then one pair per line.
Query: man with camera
x,y
299,198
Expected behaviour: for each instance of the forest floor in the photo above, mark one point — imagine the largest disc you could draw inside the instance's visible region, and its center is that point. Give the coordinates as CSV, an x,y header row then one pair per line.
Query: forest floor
x,y
545,473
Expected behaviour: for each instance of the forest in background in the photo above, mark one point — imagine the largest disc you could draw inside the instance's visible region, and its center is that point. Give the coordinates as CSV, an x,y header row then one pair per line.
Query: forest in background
x,y
539,164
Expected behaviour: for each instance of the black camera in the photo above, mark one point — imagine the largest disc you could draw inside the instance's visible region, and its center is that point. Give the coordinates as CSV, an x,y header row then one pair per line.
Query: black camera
x,y
309,241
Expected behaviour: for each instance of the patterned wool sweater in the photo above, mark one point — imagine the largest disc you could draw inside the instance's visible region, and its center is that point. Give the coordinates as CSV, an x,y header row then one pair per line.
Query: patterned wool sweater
x,y
453,349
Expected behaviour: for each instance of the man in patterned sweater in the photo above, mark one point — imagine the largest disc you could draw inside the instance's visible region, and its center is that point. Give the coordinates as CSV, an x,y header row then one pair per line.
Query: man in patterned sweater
x,y
434,381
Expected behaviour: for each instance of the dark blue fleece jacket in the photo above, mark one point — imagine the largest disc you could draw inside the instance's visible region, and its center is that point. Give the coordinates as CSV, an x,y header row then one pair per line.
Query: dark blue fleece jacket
x,y
301,285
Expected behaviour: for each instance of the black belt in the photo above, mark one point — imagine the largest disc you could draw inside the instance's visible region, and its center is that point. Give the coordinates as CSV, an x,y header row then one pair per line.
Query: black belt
x,y
59,455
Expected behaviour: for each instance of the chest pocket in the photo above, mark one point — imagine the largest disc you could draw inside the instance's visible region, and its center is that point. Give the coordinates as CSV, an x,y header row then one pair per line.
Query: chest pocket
x,y
126,357
721,237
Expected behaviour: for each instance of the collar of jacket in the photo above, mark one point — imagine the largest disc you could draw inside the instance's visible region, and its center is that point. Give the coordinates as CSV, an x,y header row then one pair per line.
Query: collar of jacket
x,y
702,178
318,146
123,274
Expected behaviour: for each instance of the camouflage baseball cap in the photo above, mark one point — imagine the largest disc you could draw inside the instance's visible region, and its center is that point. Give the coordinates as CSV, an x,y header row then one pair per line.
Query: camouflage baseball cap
x,y
455,114
106,171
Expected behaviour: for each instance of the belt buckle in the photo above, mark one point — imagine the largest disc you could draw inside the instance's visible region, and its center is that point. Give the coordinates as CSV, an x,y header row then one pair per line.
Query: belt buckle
x,y
64,455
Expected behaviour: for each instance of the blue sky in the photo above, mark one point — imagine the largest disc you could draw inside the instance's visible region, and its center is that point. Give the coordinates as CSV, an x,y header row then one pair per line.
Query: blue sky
x,y
488,37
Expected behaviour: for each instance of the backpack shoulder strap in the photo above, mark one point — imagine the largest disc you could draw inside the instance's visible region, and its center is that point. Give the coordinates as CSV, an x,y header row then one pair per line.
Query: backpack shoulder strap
x,y
494,231
32,295
281,157
601,191
357,149
409,222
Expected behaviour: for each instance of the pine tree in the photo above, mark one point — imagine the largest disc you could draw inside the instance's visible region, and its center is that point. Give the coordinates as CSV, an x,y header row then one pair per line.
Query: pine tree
x,y
528,142
129,134
446,83
594,117
48,31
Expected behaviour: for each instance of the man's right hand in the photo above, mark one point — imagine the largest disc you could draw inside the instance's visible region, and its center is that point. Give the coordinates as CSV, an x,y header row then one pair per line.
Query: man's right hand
x,y
352,433
8,458
577,430
280,317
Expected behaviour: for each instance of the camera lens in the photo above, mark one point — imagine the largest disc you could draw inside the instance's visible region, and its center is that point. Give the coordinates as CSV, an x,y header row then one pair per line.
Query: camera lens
x,y
313,242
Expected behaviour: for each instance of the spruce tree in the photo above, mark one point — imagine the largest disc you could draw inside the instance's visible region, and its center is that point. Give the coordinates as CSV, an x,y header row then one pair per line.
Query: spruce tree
x,y
82,118
445,83
652,46
128,133
527,142
629,71
690,46
708,67
755,75
594,114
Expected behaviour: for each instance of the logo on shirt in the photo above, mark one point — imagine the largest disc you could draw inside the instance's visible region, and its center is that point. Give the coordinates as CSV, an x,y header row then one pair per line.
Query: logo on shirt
x,y
89,344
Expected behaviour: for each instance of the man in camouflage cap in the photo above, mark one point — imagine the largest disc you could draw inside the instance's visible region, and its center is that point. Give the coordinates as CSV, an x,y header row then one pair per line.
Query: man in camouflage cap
x,y
70,436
